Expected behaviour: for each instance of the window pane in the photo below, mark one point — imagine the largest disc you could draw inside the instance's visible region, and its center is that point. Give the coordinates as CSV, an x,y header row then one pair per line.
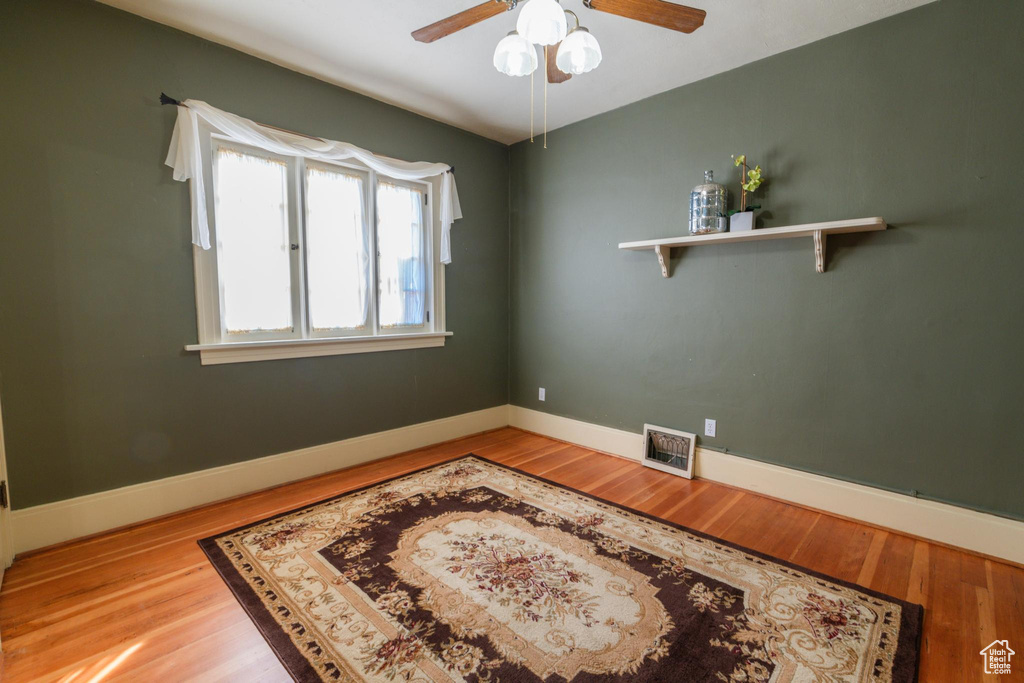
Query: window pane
x,y
252,243
400,244
337,250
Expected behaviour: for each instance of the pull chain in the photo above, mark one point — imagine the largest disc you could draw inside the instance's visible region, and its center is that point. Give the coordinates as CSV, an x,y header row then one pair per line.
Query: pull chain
x,y
545,97
531,103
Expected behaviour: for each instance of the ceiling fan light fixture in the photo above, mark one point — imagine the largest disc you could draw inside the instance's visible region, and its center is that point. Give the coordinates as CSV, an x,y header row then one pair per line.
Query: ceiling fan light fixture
x,y
515,55
579,52
542,22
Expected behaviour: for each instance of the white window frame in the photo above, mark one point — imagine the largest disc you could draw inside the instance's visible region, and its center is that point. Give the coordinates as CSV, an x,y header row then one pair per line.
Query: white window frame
x,y
216,346
429,248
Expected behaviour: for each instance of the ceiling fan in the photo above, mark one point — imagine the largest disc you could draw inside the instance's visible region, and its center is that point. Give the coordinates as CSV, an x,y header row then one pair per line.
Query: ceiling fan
x,y
585,53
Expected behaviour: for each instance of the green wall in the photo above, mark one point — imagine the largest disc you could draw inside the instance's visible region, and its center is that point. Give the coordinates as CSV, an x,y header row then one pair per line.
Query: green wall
x,y
902,365
96,282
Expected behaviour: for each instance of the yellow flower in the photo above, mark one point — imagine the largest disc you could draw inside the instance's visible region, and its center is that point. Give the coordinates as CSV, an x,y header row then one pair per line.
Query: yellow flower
x,y
755,179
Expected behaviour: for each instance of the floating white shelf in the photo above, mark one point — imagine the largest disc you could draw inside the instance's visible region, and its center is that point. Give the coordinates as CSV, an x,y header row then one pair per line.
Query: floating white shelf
x,y
818,231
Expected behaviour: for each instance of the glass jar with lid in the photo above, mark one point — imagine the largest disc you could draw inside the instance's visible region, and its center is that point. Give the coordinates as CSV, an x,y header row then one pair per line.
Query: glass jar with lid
x,y
709,207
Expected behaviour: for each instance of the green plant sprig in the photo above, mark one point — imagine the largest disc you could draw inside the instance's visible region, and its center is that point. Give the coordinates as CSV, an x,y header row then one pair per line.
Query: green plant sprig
x,y
755,175
754,179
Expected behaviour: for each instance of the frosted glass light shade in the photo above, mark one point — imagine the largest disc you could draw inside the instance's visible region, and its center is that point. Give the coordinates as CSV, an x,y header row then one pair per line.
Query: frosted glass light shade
x,y
578,53
515,56
542,22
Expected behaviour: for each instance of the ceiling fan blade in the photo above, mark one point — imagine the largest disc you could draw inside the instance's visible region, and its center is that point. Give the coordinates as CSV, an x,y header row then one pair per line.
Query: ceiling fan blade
x,y
457,22
555,75
657,12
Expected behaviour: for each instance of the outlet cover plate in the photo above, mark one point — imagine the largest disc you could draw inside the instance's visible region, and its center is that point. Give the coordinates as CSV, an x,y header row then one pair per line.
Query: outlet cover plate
x,y
540,394
710,427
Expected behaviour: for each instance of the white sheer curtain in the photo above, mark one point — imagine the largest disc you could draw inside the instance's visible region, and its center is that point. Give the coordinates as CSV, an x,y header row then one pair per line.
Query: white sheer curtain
x,y
185,157
400,243
338,246
253,242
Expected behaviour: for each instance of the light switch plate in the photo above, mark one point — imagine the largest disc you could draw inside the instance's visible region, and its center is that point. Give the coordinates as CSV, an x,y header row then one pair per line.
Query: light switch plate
x,y
710,427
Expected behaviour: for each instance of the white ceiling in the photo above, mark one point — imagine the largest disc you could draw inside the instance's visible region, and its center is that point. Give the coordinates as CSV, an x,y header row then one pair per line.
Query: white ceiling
x,y
364,45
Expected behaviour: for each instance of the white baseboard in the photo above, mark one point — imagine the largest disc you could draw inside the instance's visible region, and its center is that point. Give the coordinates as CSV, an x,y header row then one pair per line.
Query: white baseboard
x,y
586,434
51,523
44,525
956,526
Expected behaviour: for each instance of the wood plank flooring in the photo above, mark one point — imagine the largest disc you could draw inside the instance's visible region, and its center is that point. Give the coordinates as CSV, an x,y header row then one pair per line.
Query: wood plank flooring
x,y
144,604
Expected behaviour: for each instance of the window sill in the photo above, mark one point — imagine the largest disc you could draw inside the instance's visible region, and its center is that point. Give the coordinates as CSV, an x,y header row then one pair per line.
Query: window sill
x,y
246,352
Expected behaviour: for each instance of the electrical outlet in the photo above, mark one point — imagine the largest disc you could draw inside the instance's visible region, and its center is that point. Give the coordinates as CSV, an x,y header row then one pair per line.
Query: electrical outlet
x,y
710,427
540,394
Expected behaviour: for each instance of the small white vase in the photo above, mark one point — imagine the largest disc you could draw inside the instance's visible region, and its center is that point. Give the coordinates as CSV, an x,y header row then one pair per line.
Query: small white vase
x,y
742,221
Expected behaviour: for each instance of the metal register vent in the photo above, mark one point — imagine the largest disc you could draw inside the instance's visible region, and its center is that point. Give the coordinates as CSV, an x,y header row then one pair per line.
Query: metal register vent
x,y
669,450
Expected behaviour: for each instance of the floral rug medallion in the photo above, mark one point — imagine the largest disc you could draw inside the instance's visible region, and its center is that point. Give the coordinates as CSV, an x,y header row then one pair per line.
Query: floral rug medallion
x,y
543,597
473,571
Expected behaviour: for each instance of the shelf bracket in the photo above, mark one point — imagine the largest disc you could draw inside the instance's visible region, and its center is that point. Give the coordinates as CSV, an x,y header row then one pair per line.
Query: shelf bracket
x,y
664,254
819,250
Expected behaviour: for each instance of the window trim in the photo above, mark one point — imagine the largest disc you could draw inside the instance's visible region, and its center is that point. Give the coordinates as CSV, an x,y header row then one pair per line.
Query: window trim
x,y
212,346
243,352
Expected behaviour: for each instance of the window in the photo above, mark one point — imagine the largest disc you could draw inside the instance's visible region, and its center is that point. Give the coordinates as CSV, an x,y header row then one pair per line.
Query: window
x,y
252,244
314,258
400,255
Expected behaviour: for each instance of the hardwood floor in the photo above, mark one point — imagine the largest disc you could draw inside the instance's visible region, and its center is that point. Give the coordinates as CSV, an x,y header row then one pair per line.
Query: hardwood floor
x,y
143,603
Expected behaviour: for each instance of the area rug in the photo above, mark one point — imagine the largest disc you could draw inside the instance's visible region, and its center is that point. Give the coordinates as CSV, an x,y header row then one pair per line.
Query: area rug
x,y
474,571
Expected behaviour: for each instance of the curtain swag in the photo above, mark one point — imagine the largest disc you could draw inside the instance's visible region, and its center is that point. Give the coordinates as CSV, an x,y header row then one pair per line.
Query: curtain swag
x,y
185,158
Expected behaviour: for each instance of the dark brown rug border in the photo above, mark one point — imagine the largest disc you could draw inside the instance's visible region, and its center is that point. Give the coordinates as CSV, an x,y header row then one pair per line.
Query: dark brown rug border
x,y
294,662
908,650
